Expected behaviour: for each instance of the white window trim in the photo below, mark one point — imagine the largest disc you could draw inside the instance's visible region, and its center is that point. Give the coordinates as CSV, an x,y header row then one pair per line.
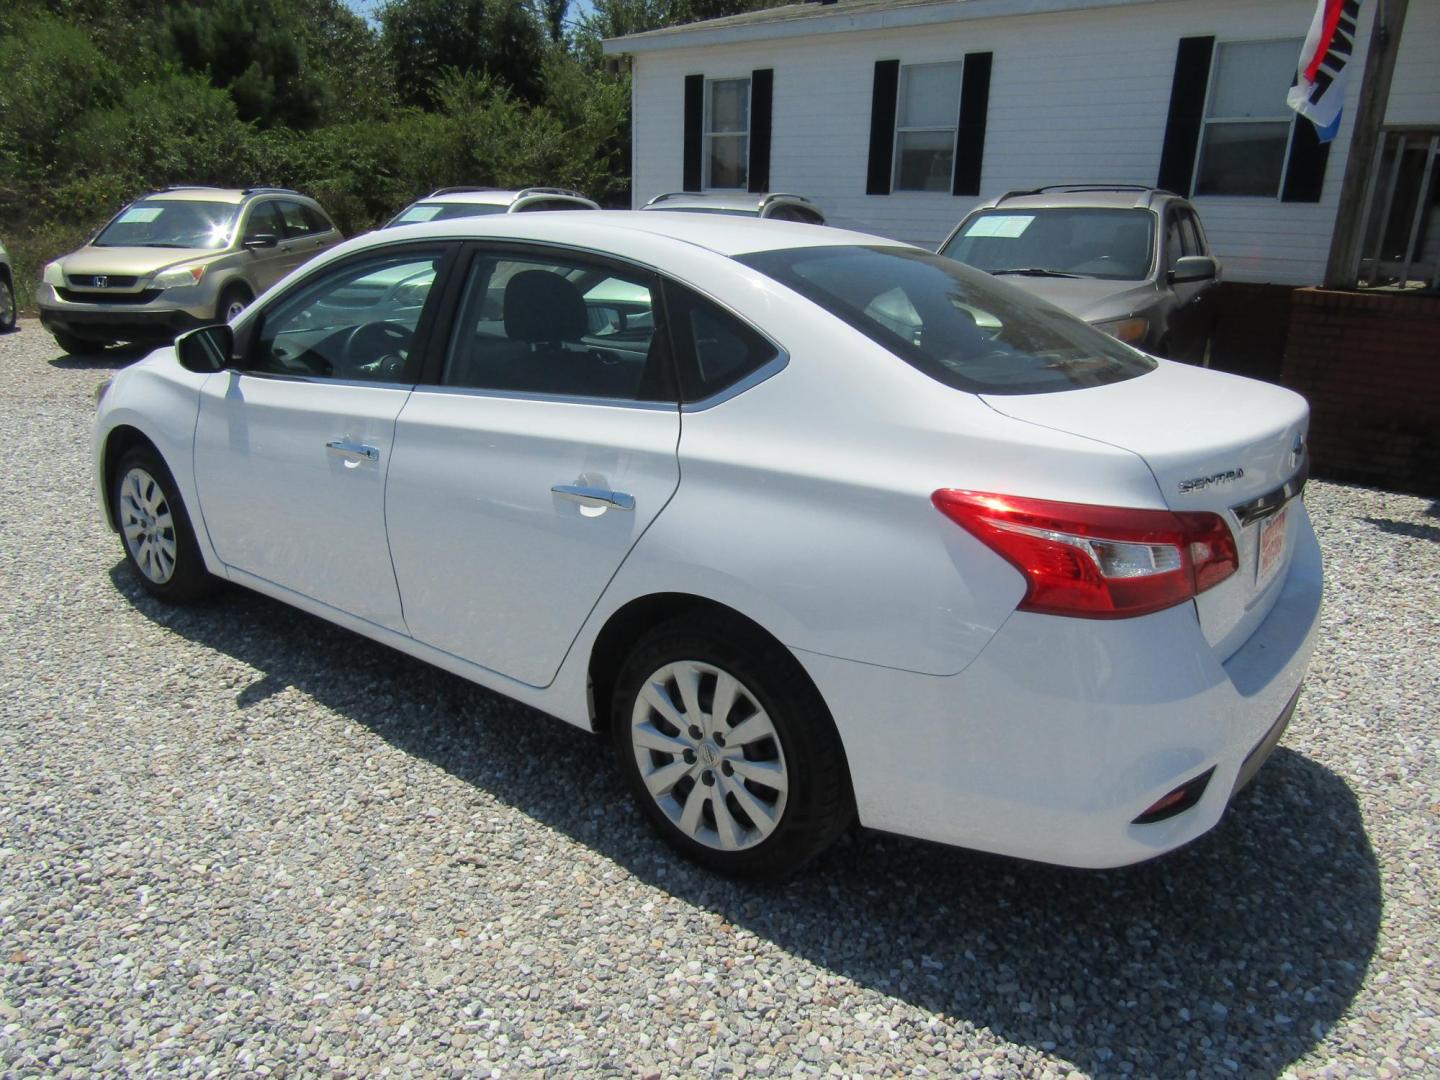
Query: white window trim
x,y
953,129
1206,119
709,135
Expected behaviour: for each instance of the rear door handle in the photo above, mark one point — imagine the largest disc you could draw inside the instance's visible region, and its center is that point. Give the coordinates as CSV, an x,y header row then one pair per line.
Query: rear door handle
x,y
356,452
594,496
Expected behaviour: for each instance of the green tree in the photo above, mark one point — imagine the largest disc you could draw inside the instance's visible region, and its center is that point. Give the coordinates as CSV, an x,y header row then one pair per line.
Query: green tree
x,y
252,49
427,38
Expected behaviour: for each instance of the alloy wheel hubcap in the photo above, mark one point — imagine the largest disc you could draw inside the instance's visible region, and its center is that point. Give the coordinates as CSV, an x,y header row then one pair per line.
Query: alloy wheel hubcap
x,y
148,526
235,308
724,787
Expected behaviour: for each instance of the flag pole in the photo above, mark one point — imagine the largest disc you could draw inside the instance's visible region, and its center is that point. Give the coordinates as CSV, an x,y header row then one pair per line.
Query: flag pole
x,y
1379,71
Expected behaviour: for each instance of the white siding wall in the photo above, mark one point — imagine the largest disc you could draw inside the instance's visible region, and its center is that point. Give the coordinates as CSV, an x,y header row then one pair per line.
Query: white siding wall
x,y
1073,97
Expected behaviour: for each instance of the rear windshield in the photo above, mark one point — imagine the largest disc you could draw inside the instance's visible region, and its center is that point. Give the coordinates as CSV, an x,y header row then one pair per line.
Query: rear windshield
x,y
421,211
1078,242
170,223
956,324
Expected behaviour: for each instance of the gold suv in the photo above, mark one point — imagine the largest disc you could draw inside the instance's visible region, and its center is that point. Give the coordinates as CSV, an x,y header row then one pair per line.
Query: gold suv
x,y
178,259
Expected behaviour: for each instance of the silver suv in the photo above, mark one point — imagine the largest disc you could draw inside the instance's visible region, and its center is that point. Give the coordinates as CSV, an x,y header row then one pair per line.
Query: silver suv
x,y
7,292
459,202
1130,260
776,205
178,259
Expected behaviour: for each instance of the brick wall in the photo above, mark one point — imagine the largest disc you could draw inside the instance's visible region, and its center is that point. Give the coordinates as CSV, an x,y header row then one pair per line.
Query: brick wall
x,y
1370,365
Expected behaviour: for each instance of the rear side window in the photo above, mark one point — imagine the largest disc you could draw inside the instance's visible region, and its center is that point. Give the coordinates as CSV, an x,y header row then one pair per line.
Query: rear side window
x,y
714,349
956,324
317,221
297,222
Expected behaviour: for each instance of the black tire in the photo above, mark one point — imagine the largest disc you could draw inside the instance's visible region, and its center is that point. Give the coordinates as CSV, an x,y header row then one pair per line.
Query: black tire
x,y
817,805
75,346
181,577
8,311
230,296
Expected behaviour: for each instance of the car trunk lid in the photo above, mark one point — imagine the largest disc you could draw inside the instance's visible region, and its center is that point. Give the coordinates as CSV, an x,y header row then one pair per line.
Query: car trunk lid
x,y
1214,442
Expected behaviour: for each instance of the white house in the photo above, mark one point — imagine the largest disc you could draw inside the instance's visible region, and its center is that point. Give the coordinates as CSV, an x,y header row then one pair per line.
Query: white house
x,y
897,118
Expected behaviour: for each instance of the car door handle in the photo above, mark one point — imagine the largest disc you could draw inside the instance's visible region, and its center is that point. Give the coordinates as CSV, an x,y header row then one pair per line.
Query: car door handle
x,y
354,451
594,496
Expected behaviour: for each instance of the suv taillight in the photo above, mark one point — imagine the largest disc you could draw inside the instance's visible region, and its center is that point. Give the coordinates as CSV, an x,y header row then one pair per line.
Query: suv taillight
x,y
1097,562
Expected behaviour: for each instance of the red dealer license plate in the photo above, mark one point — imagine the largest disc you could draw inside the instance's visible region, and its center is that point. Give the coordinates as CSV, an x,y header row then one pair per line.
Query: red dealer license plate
x,y
1272,546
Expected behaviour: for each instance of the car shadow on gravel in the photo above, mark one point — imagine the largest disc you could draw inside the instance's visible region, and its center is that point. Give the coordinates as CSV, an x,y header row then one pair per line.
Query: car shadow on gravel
x,y
1235,954
117,356
1414,529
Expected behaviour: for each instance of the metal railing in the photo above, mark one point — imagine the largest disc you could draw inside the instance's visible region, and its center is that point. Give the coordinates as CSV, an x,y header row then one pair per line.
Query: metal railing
x,y
1400,247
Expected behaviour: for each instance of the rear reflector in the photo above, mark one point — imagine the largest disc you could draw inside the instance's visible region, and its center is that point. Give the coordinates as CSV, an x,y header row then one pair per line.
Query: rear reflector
x,y
1178,801
1097,562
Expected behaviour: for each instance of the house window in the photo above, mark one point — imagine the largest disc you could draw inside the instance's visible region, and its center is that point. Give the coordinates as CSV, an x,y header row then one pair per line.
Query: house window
x,y
727,133
1246,128
927,112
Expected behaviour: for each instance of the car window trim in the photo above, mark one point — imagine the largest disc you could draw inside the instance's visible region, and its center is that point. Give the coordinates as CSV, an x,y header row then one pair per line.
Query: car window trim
x,y
433,371
249,335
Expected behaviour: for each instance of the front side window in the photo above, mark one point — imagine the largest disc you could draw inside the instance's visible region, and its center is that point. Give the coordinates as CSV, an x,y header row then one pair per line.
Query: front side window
x,y
558,325
927,113
1247,123
1060,242
265,220
727,133
170,223
952,322
356,322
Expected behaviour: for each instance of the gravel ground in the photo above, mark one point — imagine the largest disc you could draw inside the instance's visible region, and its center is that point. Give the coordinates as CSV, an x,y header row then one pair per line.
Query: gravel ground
x,y
236,840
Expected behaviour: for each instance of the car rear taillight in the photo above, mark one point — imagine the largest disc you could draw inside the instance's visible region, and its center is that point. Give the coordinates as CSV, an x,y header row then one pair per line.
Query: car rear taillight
x,y
1097,562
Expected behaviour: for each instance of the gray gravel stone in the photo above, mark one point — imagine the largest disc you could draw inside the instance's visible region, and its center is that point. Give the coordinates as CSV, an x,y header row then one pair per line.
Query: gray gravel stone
x,y
235,840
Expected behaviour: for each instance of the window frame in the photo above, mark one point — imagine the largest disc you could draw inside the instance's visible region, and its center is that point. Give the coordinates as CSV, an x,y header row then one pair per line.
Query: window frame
x,y
250,330
1289,117
901,130
708,135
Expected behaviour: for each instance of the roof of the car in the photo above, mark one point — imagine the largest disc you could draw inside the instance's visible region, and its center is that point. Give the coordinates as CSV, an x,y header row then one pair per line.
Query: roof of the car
x,y
201,194
748,201
599,230
1082,195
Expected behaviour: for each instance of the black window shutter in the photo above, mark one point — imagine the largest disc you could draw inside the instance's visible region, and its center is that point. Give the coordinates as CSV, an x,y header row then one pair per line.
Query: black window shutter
x,y
1187,110
1305,172
762,92
694,131
882,126
970,135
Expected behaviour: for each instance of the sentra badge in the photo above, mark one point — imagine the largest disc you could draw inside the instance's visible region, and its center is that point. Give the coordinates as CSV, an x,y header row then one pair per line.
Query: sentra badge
x,y
1200,483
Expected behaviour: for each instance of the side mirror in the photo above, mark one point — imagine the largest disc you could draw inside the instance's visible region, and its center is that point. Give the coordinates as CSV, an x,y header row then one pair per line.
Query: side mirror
x,y
1193,268
261,240
206,350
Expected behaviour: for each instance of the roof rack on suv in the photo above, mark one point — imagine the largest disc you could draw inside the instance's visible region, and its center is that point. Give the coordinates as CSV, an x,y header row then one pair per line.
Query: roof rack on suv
x,y
194,187
269,191
461,190
674,195
1145,189
548,191
772,196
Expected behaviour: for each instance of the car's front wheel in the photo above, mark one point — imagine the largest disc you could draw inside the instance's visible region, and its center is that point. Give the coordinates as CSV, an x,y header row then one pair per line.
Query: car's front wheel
x,y
729,749
7,305
75,346
155,528
234,300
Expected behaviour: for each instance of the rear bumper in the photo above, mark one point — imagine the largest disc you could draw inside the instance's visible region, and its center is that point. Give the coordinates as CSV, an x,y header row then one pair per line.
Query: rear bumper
x,y
1063,731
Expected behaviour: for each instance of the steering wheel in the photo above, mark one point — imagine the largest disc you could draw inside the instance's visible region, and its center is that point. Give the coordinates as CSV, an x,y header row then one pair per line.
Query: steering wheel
x,y
378,347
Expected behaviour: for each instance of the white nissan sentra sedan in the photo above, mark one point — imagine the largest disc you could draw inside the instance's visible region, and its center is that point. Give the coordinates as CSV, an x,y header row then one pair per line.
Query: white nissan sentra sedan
x,y
817,527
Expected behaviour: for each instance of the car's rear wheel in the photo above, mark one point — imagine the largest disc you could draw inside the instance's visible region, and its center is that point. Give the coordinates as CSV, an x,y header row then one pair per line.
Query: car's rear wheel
x,y
156,531
7,305
233,300
729,749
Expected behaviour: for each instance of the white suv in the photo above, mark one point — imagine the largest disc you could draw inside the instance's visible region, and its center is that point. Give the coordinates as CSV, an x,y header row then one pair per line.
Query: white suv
x,y
814,525
459,202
